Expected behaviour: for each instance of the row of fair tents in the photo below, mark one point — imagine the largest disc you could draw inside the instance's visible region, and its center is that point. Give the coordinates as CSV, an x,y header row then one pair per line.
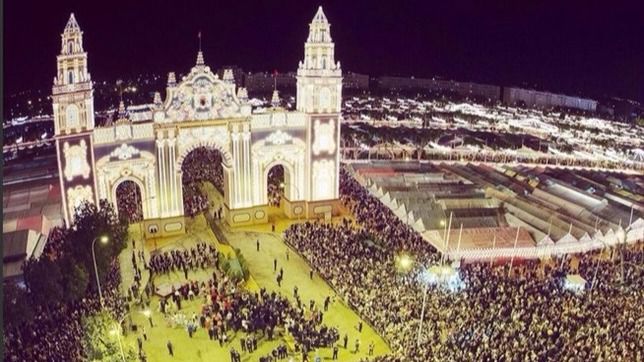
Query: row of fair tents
x,y
545,245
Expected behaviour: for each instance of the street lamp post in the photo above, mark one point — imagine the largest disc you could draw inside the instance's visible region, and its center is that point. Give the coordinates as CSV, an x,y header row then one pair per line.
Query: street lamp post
x,y
405,263
104,239
422,314
117,331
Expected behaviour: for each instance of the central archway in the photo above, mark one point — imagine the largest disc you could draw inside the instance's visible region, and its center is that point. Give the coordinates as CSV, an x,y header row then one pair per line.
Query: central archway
x,y
202,180
129,201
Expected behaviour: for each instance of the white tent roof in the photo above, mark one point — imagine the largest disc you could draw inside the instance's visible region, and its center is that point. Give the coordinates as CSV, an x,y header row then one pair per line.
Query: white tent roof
x,y
567,239
545,241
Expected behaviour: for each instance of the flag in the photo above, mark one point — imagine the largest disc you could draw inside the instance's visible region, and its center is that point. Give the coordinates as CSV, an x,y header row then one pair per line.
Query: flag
x,y
199,36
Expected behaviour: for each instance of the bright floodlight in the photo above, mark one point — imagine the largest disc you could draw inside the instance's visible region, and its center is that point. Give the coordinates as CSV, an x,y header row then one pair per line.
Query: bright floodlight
x,y
147,313
281,185
442,222
444,276
114,331
105,239
405,261
574,283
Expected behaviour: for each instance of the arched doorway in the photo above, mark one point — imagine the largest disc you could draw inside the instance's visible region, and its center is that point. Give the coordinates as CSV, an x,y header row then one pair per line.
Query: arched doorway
x,y
129,202
275,185
202,179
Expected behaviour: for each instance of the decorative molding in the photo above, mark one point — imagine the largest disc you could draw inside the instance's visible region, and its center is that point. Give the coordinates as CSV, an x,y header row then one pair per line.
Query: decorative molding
x,y
76,195
208,136
324,180
263,121
279,138
125,152
140,131
202,96
123,132
76,163
324,140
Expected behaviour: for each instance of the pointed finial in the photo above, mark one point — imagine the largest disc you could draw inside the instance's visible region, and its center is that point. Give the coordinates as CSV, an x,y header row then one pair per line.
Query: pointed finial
x,y
157,98
200,61
121,109
228,76
275,101
242,94
319,16
172,80
72,25
199,36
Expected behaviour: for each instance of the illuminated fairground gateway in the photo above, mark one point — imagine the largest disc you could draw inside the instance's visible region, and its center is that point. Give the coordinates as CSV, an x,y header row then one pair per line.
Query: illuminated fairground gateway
x,y
149,146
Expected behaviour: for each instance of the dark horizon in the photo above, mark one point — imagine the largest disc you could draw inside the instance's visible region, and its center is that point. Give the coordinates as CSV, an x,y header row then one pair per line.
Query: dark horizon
x,y
576,48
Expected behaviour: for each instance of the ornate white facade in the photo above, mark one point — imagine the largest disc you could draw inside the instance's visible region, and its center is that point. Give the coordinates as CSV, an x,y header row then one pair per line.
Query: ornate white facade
x,y
202,110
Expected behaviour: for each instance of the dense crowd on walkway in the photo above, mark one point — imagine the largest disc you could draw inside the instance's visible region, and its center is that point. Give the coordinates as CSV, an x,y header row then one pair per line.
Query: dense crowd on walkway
x,y
201,256
227,309
56,332
527,316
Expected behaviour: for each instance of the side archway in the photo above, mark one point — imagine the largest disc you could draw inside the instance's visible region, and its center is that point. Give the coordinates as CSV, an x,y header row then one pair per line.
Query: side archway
x,y
290,156
135,200
120,166
291,191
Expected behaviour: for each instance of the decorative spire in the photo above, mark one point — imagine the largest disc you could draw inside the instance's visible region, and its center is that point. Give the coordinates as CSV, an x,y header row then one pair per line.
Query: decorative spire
x,y
157,98
121,109
172,80
228,76
319,16
319,28
275,101
200,61
242,94
121,117
72,25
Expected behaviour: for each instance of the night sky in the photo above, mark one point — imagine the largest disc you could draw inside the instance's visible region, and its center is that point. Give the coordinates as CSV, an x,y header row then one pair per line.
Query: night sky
x,y
576,47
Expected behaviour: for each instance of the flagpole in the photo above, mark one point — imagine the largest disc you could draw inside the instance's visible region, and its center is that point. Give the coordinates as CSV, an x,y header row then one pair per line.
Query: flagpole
x,y
449,230
514,250
493,248
460,234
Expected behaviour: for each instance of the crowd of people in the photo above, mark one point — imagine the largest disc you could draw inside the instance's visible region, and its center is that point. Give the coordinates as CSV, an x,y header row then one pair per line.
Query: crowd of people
x,y
201,256
56,332
526,316
195,200
129,201
228,309
274,186
200,165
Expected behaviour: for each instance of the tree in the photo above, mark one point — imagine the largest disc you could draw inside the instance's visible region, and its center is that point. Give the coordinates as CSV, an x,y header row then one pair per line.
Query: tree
x,y
75,280
92,221
44,280
16,305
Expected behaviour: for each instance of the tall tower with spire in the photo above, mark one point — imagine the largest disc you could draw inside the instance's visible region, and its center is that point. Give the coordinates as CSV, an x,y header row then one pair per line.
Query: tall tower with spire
x,y
73,108
319,95
319,77
72,92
